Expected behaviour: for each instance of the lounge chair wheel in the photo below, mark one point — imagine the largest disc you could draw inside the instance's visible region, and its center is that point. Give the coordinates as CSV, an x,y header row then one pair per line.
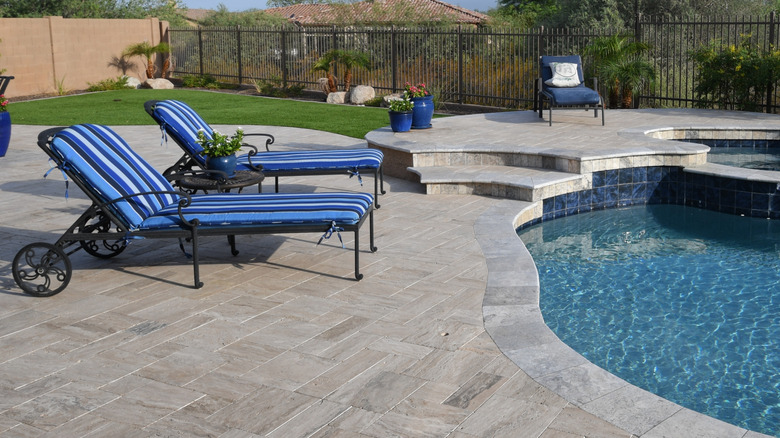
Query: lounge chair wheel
x,y
359,277
105,249
374,249
41,269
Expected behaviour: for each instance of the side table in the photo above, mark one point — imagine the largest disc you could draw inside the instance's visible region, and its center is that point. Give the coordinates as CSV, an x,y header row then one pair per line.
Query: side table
x,y
243,178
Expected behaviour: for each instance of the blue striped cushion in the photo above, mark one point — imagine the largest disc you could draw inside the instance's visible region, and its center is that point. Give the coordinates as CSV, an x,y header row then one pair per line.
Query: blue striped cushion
x,y
183,123
224,209
312,160
113,170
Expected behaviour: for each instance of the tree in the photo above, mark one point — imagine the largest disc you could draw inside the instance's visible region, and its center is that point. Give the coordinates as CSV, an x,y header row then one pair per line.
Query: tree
x,y
250,18
147,51
352,59
162,9
620,63
325,64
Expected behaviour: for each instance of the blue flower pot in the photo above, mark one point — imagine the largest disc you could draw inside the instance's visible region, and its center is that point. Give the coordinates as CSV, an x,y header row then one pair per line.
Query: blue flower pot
x,y
5,132
400,121
422,113
222,164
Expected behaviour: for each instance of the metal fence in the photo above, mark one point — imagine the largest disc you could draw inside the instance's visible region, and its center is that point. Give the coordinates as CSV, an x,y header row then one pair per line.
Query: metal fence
x,y
472,66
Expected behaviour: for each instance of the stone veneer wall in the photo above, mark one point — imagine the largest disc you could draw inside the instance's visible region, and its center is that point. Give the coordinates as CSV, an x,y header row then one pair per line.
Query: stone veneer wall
x,y
665,185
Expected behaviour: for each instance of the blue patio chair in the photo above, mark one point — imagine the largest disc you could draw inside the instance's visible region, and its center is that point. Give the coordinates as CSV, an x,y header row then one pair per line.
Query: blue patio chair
x,y
561,85
182,123
131,200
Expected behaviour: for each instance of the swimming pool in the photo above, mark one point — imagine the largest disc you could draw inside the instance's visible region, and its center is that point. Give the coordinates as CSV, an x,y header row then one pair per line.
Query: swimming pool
x,y
680,301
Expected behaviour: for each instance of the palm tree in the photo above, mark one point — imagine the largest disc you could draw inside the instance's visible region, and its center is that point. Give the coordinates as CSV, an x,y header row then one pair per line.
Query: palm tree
x,y
620,64
325,63
147,51
352,59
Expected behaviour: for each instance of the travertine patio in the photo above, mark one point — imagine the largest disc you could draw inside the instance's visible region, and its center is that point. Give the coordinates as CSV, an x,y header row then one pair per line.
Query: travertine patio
x,y
282,341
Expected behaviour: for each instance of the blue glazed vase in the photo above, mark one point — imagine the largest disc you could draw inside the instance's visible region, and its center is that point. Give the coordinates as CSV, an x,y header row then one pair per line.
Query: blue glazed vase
x,y
5,132
422,112
224,164
400,121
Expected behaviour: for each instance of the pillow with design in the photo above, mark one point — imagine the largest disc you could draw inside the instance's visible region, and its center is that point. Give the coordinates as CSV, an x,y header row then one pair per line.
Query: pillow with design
x,y
564,75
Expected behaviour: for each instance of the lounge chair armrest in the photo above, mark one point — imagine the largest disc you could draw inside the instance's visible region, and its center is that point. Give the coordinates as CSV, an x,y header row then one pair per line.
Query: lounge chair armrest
x,y
185,200
268,141
253,151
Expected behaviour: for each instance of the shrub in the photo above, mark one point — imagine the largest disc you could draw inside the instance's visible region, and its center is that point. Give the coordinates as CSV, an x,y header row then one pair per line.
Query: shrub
x,y
735,77
274,87
119,83
200,81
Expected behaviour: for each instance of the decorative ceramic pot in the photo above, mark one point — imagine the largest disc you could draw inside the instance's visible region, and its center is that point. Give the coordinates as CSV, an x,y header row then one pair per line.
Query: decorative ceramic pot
x,y
400,121
224,164
5,132
422,112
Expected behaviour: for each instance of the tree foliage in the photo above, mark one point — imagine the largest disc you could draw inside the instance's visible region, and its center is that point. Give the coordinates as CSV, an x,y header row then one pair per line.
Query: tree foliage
x,y
162,9
249,18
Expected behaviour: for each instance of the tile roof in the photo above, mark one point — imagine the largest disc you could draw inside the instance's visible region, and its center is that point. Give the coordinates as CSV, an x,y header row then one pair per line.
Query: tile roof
x,y
376,11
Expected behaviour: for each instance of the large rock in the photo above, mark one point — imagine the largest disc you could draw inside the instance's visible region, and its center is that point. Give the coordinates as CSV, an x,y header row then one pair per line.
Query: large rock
x,y
337,97
323,83
158,84
133,82
361,94
391,97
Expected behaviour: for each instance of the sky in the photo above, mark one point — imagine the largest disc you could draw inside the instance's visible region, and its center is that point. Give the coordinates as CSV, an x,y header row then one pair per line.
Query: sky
x,y
242,5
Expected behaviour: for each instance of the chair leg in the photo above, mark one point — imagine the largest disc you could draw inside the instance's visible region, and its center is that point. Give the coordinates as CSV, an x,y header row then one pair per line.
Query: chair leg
x,y
358,275
376,188
195,259
550,115
276,182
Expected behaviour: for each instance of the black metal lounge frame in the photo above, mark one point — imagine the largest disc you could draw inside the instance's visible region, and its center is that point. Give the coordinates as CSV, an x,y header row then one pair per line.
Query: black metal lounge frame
x,y
103,234
188,162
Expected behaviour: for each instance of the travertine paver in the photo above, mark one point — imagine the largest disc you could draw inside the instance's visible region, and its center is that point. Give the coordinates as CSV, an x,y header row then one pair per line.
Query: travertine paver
x,y
279,342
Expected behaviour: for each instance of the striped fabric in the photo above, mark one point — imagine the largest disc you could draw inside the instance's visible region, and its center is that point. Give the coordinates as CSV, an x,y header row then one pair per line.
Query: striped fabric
x,y
216,210
182,123
114,170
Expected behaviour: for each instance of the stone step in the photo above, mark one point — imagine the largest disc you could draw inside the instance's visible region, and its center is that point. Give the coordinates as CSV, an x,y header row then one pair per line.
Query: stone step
x,y
521,183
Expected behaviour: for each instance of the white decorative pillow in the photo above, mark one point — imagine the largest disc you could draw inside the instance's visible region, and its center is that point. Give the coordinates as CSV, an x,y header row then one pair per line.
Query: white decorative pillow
x,y
564,75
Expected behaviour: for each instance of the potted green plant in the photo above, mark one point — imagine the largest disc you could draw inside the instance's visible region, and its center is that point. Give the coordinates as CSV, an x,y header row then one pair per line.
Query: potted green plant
x,y
401,112
5,125
220,151
423,105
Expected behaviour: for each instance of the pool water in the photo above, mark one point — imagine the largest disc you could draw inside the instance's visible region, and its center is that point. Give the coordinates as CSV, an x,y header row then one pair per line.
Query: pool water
x,y
680,301
763,159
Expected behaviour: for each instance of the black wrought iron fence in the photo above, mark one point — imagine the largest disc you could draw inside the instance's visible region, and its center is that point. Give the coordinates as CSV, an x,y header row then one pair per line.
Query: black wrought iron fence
x,y
473,66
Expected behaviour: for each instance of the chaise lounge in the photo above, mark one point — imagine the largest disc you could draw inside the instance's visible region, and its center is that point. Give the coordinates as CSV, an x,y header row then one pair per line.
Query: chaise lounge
x,y
182,123
561,85
131,200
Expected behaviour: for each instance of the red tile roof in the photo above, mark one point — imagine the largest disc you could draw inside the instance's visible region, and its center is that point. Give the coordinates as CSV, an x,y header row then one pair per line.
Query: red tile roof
x,y
377,11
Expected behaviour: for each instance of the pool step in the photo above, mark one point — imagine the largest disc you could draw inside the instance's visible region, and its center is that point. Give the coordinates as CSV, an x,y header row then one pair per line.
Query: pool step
x,y
521,183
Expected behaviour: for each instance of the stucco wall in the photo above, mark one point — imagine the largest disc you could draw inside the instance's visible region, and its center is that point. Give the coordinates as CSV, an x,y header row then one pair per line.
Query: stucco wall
x,y
44,53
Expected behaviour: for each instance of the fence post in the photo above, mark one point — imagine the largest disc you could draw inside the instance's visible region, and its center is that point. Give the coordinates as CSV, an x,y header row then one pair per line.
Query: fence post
x,y
200,50
460,65
335,45
394,58
770,87
238,51
284,58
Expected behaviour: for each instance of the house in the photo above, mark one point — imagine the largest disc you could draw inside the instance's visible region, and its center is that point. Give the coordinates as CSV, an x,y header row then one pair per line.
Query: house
x,y
383,12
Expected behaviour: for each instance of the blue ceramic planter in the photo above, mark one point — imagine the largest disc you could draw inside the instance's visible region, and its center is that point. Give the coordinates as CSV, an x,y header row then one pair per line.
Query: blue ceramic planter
x,y
5,132
422,112
223,164
400,121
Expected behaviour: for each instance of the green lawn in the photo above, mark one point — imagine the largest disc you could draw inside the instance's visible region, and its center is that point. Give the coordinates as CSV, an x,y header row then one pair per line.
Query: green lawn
x,y
126,107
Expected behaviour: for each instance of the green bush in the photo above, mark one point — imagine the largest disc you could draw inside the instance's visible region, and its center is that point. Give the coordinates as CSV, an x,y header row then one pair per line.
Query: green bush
x,y
119,83
200,81
274,87
735,77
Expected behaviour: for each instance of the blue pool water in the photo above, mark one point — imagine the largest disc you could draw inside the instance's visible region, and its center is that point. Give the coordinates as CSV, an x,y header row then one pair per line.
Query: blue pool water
x,y
680,301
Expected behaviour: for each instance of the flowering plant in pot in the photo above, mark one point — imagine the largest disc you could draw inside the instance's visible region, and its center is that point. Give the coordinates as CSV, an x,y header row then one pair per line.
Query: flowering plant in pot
x,y
220,151
5,125
423,105
401,111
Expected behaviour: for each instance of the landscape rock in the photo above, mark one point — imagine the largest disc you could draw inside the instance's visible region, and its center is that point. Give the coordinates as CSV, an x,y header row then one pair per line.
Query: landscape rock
x,y
158,84
361,94
323,83
133,82
391,97
337,97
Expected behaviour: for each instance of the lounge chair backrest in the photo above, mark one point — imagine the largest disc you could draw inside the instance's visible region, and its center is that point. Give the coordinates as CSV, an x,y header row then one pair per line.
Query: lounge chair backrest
x,y
109,167
182,123
547,73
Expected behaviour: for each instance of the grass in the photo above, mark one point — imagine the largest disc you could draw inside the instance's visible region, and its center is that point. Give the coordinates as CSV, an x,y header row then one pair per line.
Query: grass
x,y
126,107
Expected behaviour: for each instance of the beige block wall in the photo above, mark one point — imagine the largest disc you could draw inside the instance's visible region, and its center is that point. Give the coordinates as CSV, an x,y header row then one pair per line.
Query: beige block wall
x,y
43,53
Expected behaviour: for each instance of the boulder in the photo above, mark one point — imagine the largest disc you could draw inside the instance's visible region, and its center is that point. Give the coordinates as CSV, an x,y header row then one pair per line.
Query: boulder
x,y
337,97
133,82
158,84
361,94
391,97
323,83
